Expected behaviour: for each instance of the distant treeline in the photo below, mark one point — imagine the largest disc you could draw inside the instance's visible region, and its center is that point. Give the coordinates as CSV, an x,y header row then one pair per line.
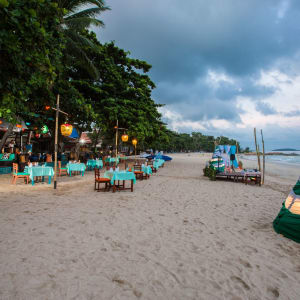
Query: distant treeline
x,y
194,142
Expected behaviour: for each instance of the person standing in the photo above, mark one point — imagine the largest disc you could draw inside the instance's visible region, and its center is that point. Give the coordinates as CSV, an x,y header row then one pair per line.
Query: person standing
x,y
11,146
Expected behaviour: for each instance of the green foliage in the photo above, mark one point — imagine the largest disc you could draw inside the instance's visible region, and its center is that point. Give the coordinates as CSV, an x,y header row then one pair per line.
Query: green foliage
x,y
31,50
210,172
194,142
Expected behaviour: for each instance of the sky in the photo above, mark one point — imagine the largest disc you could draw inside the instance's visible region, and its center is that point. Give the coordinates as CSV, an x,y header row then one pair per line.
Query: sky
x,y
220,67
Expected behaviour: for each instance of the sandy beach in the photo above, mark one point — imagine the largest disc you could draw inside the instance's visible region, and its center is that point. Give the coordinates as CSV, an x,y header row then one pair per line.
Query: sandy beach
x,y
177,236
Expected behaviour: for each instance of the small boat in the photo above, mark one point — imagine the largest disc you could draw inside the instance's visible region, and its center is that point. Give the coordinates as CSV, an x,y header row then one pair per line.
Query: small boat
x,y
164,157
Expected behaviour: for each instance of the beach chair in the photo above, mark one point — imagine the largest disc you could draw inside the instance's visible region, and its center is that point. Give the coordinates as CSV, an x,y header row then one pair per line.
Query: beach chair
x,y
17,175
99,180
61,169
150,163
139,174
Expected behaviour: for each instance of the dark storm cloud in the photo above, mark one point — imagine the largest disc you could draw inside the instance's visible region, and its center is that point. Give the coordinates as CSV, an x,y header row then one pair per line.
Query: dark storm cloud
x,y
185,40
265,108
293,113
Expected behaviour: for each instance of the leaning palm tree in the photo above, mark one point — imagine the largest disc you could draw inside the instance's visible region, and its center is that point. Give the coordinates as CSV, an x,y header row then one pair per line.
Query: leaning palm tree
x,y
73,22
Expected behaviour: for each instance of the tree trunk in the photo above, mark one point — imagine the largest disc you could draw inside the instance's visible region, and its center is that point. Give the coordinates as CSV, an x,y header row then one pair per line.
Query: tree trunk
x,y
6,135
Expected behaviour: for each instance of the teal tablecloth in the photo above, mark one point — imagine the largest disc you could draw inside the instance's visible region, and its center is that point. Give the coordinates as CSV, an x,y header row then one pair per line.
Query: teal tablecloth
x,y
158,163
121,175
39,171
76,167
147,170
112,160
94,163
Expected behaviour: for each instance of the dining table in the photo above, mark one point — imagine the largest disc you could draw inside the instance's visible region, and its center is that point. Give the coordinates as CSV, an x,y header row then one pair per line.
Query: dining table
x,y
94,163
120,176
157,163
147,170
112,160
39,171
75,167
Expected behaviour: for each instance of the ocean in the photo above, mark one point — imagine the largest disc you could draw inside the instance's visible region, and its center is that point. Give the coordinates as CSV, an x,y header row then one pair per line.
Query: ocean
x,y
282,159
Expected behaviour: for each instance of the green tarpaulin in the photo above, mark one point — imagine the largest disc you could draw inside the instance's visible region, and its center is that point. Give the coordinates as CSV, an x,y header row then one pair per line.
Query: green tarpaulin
x,y
287,223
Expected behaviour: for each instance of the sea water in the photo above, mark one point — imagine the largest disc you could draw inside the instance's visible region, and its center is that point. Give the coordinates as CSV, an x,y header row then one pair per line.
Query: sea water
x,y
283,159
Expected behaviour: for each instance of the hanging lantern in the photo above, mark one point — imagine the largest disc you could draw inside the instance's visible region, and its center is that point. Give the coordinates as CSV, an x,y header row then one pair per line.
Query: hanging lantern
x,y
19,126
134,142
44,129
66,129
124,137
1,121
47,107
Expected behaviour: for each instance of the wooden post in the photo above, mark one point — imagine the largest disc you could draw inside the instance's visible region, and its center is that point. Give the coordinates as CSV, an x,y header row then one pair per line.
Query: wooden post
x,y
117,139
55,147
263,145
257,150
29,137
237,150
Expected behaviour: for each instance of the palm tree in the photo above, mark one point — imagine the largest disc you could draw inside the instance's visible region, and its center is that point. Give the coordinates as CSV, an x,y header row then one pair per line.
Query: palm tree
x,y
73,22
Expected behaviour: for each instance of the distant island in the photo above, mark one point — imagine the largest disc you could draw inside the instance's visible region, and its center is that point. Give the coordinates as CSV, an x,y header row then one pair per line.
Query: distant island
x,y
286,149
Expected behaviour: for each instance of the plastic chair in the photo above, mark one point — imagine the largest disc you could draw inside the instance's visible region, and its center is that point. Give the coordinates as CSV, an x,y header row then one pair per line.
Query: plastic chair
x,y
62,169
139,174
17,174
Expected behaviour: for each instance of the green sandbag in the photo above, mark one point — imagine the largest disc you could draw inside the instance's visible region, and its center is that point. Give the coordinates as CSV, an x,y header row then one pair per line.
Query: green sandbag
x,y
288,224
296,188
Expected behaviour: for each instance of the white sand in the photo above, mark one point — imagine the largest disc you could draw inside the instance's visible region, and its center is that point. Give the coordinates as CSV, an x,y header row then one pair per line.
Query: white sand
x,y
177,236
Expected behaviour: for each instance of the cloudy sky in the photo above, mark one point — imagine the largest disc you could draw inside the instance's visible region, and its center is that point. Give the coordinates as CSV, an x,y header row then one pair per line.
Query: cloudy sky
x,y
221,67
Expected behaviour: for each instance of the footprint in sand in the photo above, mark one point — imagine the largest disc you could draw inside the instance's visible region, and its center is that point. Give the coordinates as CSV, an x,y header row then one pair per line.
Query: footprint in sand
x,y
273,291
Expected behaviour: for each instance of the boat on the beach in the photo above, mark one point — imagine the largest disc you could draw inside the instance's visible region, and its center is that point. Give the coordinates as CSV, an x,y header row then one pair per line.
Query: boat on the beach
x,y
164,157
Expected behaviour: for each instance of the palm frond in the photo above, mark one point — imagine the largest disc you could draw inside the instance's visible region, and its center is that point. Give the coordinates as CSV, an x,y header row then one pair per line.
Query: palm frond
x,y
80,55
82,23
73,5
89,12
82,41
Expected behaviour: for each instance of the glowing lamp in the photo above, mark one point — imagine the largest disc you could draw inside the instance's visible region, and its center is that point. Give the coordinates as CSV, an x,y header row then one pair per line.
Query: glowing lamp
x,y
47,107
66,129
28,123
124,138
116,127
44,129
134,142
37,135
1,121
19,126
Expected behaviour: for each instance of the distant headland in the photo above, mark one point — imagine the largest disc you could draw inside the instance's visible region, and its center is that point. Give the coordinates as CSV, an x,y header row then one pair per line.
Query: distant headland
x,y
286,149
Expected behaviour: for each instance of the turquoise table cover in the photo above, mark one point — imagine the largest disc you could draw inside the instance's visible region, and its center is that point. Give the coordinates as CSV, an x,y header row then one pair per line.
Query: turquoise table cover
x,y
112,160
76,167
121,175
94,163
158,163
147,170
39,171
